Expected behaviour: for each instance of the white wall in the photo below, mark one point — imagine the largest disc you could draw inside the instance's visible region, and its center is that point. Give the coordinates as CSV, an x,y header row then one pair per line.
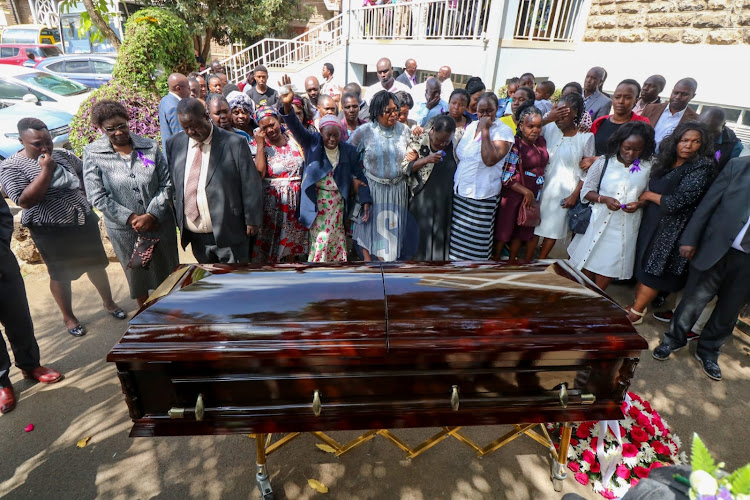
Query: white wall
x,y
314,68
721,71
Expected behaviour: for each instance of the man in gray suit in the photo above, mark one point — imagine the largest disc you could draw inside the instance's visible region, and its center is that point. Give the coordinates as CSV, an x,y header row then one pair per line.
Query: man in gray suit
x,y
596,103
409,76
717,240
179,88
218,198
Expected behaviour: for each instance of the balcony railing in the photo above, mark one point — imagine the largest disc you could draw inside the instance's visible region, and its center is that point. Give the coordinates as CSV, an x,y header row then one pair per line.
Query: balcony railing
x,y
422,20
547,20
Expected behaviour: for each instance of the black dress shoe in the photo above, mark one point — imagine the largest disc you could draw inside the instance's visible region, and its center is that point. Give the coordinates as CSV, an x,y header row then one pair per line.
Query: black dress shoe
x,y
663,351
710,368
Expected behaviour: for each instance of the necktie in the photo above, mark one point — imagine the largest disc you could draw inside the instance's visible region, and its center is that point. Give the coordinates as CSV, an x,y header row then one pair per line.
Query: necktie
x,y
191,188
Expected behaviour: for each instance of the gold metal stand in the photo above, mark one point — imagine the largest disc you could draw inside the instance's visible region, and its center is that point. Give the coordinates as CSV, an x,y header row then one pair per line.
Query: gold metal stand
x,y
265,446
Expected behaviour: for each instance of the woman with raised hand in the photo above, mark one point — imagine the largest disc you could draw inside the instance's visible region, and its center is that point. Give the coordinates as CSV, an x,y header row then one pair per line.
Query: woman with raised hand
x,y
127,180
279,160
382,143
681,175
566,146
476,185
523,184
613,185
331,167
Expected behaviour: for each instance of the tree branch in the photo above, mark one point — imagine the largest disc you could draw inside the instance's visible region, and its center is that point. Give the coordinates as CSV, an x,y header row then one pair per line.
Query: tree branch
x,y
101,25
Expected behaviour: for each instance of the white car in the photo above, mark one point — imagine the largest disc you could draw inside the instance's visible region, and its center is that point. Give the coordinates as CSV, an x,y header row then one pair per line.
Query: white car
x,y
19,84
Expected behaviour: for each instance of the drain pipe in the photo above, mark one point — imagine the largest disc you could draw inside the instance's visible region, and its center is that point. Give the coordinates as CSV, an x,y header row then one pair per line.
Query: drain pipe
x,y
14,10
348,4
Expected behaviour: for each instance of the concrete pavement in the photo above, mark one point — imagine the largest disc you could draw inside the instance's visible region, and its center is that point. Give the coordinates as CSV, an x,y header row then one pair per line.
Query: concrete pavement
x,y
46,464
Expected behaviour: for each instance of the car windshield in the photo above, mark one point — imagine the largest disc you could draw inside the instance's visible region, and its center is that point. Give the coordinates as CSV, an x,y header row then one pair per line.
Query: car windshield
x,y
53,83
13,35
45,51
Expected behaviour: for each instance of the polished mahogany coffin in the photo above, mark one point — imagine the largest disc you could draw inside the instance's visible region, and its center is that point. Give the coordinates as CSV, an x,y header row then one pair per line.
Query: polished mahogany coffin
x,y
251,349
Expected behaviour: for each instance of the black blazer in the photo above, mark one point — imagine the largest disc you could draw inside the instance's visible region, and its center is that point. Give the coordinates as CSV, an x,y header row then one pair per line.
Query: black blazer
x,y
8,263
233,186
721,215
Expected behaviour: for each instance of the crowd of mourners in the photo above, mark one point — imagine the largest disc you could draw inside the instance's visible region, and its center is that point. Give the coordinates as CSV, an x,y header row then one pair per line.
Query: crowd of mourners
x,y
632,187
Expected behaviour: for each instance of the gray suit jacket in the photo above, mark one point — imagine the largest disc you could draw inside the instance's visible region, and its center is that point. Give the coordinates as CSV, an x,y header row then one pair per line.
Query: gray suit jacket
x,y
404,78
721,215
598,105
233,186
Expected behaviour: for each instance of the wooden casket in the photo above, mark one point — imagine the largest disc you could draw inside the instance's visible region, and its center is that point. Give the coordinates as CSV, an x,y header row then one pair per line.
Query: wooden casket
x,y
311,348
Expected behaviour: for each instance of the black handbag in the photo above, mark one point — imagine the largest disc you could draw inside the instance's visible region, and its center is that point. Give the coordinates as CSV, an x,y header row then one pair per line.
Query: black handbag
x,y
580,215
143,252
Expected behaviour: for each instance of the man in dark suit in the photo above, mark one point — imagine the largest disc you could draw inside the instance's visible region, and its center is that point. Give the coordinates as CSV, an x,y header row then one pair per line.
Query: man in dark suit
x,y
179,88
218,198
717,240
665,116
16,319
409,76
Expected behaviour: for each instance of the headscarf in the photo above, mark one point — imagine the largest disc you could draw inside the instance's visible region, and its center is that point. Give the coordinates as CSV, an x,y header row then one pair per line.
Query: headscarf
x,y
332,121
298,102
265,111
241,100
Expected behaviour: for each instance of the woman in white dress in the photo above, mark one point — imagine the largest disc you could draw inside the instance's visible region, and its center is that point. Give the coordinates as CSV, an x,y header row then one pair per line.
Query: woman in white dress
x,y
566,146
607,250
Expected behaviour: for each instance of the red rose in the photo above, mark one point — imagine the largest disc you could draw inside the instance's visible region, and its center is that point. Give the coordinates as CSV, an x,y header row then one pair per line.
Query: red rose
x,y
589,457
608,494
656,465
659,448
629,450
584,430
623,432
594,442
641,472
574,466
638,434
643,420
622,472
582,478
635,397
634,412
650,430
634,482
647,406
595,467
573,442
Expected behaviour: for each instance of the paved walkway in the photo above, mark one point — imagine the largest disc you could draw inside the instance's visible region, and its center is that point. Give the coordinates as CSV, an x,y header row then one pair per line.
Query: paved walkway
x,y
46,464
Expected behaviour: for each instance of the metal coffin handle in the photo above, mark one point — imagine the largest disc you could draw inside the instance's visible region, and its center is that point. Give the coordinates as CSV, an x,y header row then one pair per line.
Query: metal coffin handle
x,y
454,398
198,411
317,406
564,395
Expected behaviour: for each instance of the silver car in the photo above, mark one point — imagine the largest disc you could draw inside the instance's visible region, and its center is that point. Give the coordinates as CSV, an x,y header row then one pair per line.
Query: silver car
x,y
88,69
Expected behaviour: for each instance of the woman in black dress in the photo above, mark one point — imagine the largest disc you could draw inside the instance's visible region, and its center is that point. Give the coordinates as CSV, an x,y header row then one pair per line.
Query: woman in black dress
x,y
431,167
681,175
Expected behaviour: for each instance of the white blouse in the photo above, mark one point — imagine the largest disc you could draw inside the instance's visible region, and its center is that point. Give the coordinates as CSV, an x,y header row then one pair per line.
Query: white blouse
x,y
473,178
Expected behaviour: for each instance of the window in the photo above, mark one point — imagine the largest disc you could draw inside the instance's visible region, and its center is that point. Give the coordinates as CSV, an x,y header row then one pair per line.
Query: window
x,y
9,51
55,67
73,66
15,35
50,51
12,91
52,33
103,67
53,83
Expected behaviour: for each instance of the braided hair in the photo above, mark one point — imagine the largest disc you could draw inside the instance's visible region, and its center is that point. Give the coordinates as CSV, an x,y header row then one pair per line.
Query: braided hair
x,y
640,129
574,100
522,112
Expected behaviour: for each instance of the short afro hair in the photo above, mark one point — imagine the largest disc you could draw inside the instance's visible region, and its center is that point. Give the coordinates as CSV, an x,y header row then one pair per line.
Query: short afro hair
x,y
25,124
105,110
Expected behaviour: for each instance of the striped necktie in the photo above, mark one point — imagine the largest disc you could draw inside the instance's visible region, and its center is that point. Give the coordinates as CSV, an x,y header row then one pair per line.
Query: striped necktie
x,y
191,188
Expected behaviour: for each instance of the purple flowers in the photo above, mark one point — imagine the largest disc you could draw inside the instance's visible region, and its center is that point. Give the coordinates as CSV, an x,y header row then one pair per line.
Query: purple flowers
x,y
717,156
147,162
636,166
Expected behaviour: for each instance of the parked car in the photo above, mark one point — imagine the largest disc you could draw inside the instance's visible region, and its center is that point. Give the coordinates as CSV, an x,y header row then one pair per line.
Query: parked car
x,y
18,53
19,84
30,33
90,70
57,121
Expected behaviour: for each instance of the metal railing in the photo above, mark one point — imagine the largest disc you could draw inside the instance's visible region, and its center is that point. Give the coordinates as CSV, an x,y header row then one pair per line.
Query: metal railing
x,y
547,20
422,20
276,52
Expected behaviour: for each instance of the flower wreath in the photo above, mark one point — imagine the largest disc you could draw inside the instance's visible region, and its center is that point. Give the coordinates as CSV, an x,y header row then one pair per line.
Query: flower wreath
x,y
613,456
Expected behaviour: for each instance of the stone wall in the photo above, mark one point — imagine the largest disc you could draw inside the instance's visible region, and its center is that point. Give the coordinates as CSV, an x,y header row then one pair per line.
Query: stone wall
x,y
715,22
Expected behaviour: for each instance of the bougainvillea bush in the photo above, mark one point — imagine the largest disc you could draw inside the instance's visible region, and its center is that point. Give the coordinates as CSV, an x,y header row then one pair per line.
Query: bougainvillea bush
x,y
611,465
143,110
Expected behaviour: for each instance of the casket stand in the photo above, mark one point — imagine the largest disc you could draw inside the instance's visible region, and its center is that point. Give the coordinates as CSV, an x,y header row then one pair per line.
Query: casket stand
x,y
222,349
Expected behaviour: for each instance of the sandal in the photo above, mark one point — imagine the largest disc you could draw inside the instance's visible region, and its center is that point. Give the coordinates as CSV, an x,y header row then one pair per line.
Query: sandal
x,y
119,314
77,331
640,315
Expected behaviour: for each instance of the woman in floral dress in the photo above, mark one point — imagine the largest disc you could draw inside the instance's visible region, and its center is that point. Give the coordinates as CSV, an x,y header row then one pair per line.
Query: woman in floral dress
x,y
282,237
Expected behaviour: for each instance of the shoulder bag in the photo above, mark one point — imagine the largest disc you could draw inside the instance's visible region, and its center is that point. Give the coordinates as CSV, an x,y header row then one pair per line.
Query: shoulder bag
x,y
580,215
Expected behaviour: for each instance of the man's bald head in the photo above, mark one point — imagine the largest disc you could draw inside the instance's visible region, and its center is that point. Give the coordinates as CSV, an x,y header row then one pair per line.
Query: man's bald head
x,y
312,87
444,73
410,67
326,105
353,87
594,79
652,87
689,82
178,84
714,118
432,91
384,69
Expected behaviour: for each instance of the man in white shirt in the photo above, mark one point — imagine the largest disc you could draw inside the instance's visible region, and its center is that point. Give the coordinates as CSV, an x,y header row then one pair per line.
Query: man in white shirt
x,y
666,116
717,242
386,81
431,103
218,198
446,85
328,87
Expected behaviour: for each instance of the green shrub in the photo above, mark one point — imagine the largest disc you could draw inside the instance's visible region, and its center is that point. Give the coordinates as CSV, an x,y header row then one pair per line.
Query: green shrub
x,y
156,43
142,106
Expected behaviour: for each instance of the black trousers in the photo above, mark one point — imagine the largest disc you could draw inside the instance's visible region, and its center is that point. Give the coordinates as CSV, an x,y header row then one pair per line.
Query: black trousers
x,y
206,251
729,281
16,319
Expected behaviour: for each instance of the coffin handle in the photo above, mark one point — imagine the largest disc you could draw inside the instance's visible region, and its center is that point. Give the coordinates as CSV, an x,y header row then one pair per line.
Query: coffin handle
x,y
316,404
454,398
564,395
199,408
198,411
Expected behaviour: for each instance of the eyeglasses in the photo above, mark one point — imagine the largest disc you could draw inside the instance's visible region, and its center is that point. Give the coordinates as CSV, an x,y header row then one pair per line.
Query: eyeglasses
x,y
392,111
121,127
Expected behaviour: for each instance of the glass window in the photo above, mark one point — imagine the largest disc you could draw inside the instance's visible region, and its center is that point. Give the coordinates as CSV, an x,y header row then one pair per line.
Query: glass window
x,y
77,66
103,67
732,114
56,67
53,83
50,51
11,90
52,33
15,35
8,51
746,118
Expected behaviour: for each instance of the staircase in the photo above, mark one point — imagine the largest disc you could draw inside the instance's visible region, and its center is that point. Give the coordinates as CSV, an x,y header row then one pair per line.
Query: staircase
x,y
276,53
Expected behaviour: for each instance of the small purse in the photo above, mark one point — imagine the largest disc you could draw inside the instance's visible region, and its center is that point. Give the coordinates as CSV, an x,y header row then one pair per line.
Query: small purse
x,y
580,215
529,217
143,252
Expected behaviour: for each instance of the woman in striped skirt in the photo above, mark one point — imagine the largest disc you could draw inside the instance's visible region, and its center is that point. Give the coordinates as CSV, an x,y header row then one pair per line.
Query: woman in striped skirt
x,y
476,187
